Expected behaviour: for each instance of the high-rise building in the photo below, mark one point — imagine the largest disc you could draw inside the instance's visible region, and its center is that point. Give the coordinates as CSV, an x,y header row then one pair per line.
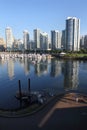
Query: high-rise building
x,y
15,44
85,41
2,44
9,38
82,42
20,45
55,39
49,43
44,41
26,39
72,34
63,39
32,45
37,38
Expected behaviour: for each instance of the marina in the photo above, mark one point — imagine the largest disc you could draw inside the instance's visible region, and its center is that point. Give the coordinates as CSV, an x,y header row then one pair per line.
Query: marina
x,y
30,56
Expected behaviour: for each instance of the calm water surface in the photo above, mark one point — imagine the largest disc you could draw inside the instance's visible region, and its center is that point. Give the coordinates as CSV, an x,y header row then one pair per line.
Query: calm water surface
x,y
50,75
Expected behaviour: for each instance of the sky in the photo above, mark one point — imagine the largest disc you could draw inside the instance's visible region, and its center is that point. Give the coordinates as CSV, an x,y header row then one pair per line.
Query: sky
x,y
46,15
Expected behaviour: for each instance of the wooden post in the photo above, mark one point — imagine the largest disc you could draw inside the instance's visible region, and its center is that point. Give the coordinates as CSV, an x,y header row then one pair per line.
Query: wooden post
x,y
19,88
29,90
29,86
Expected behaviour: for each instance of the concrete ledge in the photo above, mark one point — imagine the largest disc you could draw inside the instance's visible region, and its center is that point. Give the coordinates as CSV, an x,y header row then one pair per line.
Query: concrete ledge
x,y
14,114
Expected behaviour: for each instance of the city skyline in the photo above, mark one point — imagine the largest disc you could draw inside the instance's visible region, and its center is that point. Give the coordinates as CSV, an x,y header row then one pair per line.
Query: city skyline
x,y
67,40
42,14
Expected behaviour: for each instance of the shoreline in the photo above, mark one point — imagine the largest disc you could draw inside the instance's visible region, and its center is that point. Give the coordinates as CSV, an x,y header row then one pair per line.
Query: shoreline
x,y
72,56
31,110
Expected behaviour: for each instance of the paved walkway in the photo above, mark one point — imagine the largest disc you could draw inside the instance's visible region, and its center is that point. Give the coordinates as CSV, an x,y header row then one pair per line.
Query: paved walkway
x,y
63,113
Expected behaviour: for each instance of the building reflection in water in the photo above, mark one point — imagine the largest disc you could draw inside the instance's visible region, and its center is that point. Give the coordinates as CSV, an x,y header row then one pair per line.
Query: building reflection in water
x,y
70,70
26,66
2,62
10,67
24,63
55,68
84,68
41,68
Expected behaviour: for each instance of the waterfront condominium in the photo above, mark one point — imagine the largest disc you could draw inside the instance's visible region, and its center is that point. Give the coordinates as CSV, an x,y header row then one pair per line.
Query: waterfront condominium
x,y
26,39
55,39
37,39
9,38
44,41
63,39
72,34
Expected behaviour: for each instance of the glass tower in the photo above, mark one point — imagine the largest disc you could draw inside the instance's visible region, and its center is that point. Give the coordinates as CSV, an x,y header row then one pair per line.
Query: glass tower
x,y
26,39
55,39
37,38
9,38
72,34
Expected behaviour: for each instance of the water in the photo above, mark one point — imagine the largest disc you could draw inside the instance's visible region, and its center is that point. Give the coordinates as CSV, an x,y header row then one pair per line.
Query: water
x,y
50,75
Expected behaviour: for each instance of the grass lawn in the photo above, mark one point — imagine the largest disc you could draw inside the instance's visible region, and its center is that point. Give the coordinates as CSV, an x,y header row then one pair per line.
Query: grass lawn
x,y
73,55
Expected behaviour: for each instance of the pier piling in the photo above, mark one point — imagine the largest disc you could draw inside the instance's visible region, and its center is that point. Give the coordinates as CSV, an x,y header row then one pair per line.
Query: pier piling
x,y
19,88
29,86
29,90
